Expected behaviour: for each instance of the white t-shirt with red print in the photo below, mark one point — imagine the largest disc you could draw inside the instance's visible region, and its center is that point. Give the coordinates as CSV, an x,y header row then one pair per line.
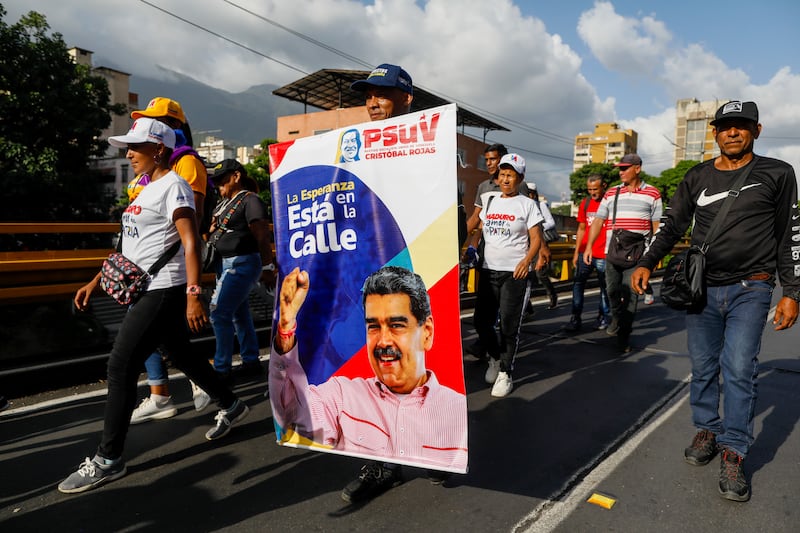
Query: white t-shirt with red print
x,y
148,229
506,222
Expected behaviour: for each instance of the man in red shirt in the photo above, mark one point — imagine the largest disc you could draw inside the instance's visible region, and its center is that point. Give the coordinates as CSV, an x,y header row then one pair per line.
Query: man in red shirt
x,y
596,186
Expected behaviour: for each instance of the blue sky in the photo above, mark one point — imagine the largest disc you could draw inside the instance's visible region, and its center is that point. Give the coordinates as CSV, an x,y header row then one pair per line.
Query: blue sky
x,y
554,69
759,38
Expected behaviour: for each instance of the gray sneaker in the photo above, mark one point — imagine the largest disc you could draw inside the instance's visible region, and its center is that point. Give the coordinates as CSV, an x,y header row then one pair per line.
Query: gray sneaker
x,y
91,474
227,418
200,397
613,328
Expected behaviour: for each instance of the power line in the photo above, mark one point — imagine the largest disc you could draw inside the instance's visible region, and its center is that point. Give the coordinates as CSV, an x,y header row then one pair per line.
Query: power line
x,y
215,34
302,36
526,150
525,127
520,125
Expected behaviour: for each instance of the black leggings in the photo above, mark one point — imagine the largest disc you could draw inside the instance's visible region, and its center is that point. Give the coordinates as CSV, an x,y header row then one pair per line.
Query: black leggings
x,y
158,318
500,292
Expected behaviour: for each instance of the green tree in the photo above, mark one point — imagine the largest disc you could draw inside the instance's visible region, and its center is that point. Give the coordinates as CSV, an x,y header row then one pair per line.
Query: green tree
x,y
669,179
577,180
52,113
259,170
564,210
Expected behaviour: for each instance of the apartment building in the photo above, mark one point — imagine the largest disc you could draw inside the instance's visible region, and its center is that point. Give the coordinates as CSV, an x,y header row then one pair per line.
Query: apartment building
x,y
694,140
214,149
113,165
247,154
606,144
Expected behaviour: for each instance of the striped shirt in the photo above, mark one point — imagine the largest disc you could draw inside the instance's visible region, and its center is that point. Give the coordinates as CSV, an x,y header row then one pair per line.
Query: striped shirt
x,y
427,427
636,211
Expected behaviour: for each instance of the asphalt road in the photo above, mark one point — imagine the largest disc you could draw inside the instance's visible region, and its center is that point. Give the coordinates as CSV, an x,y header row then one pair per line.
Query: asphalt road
x,y
581,419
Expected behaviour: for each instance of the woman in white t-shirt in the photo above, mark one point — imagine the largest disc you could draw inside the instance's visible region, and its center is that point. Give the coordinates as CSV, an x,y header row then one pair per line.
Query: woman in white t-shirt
x,y
160,216
512,231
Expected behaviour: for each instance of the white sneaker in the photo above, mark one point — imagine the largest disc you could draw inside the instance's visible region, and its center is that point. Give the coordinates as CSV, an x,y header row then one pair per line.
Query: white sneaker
x,y
154,407
491,372
503,386
648,299
200,397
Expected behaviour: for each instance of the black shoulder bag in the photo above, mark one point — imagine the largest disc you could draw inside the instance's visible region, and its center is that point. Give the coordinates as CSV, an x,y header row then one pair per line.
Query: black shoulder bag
x,y
683,286
209,254
626,247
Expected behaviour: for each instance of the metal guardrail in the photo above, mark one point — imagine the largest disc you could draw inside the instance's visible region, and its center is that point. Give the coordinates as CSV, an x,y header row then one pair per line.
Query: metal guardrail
x,y
38,323
39,327
34,275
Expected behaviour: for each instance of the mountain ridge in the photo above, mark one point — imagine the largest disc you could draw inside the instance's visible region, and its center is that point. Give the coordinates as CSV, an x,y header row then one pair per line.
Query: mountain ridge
x,y
244,119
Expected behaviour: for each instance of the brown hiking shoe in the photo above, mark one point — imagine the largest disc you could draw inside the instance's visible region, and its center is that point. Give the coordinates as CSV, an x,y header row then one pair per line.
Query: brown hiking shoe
x,y
732,482
702,449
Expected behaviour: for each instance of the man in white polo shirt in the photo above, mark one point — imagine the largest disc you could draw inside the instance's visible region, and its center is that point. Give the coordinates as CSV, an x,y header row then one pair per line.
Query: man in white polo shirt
x,y
636,207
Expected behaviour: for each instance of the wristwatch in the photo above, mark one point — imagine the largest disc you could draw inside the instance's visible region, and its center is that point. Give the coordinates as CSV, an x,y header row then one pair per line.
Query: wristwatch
x,y
194,290
794,295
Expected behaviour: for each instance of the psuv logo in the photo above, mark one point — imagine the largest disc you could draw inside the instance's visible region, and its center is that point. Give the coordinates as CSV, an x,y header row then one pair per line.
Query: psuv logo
x,y
402,134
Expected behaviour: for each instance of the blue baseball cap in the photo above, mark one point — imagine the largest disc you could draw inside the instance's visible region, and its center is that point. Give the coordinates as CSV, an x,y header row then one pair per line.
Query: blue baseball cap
x,y
386,75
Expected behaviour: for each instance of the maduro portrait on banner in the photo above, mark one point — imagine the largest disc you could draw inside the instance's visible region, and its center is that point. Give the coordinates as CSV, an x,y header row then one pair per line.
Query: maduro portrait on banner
x,y
366,350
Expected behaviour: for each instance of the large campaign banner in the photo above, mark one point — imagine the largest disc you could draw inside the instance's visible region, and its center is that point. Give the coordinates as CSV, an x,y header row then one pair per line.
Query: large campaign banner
x,y
377,200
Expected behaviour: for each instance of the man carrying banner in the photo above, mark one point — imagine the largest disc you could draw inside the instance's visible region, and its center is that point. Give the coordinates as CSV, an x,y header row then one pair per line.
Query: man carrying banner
x,y
362,415
388,92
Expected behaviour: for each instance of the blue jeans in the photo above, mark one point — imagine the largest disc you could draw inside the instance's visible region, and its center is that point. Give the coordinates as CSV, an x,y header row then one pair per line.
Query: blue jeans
x,y
156,370
581,277
230,310
726,336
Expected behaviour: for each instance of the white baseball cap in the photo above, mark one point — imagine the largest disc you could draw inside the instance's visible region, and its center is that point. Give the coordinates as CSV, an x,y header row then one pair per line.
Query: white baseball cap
x,y
515,161
145,130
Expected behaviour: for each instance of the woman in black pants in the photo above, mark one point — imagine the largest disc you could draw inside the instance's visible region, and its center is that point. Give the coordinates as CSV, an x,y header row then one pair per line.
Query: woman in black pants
x,y
512,231
161,215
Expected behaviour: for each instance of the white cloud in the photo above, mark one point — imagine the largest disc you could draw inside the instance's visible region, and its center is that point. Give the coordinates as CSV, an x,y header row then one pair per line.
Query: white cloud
x,y
655,148
506,64
695,72
630,45
639,48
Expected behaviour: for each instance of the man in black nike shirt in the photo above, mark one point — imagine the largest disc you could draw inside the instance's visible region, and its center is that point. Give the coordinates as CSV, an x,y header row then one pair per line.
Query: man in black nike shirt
x,y
757,240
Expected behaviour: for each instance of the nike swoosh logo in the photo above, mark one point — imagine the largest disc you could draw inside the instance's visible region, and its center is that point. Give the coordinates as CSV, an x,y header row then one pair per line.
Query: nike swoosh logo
x,y
705,199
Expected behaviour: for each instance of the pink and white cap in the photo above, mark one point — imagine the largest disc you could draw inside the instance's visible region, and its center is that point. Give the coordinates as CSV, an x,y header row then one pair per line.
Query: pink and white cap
x,y
145,130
